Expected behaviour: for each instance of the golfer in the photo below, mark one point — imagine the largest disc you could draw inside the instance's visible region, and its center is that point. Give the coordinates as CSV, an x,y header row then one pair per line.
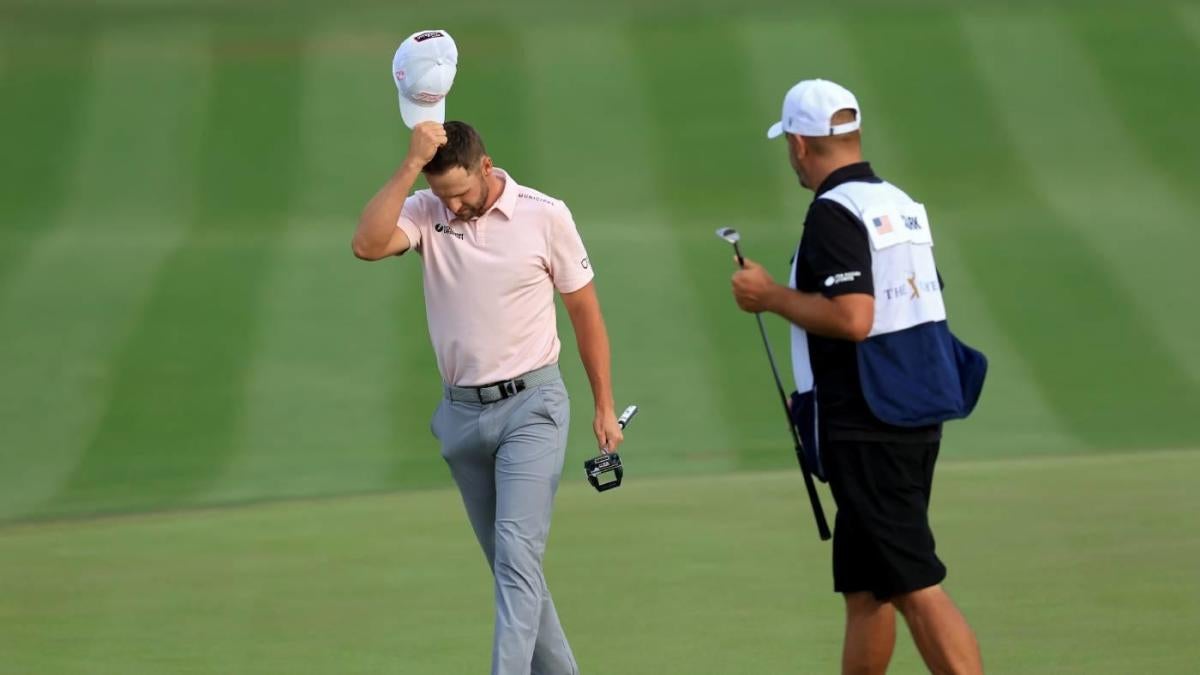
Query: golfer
x,y
877,372
493,252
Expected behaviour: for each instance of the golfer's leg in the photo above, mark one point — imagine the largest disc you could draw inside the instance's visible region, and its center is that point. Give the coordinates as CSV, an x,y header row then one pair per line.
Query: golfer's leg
x,y
940,631
473,468
552,654
475,480
870,635
528,465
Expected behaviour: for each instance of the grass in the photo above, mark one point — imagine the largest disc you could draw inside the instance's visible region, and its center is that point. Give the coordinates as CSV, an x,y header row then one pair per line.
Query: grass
x,y
1063,565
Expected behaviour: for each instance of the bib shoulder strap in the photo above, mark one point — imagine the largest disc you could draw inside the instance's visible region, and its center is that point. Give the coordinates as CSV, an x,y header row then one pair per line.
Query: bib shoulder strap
x,y
845,198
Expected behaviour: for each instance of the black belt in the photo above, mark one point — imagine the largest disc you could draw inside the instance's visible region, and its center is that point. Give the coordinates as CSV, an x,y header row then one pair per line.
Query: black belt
x,y
491,393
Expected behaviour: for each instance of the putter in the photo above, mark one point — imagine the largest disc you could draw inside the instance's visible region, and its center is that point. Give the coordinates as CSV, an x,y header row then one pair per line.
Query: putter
x,y
604,471
731,235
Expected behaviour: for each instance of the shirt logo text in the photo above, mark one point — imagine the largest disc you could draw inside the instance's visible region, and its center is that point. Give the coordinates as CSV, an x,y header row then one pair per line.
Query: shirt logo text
x,y
842,278
445,229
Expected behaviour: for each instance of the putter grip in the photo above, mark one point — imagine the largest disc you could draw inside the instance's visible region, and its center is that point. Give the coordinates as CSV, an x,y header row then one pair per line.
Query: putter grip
x,y
627,416
624,419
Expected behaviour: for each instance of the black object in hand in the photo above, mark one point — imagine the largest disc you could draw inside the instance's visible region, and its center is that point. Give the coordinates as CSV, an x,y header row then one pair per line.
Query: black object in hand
x,y
604,471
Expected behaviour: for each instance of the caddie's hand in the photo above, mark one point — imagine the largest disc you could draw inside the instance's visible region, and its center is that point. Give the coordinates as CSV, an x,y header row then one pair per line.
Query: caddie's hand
x,y
427,137
608,432
752,287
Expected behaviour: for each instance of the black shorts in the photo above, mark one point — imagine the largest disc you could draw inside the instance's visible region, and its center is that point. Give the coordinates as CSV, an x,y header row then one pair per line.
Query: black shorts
x,y
881,540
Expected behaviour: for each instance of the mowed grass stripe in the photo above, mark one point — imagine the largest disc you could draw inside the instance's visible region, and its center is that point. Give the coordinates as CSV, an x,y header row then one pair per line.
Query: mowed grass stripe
x,y
44,85
712,168
1140,226
779,53
173,409
1189,17
597,162
491,94
1013,416
331,351
1145,60
1047,286
72,300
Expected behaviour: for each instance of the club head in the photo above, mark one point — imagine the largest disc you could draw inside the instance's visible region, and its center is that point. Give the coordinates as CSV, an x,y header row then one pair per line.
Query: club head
x,y
729,234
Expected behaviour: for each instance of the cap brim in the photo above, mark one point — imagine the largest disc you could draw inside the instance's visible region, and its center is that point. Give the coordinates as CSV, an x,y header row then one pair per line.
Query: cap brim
x,y
415,113
775,131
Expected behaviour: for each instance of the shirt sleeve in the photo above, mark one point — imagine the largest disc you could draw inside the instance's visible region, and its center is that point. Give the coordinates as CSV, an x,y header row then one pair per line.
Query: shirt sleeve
x,y
570,268
413,220
836,248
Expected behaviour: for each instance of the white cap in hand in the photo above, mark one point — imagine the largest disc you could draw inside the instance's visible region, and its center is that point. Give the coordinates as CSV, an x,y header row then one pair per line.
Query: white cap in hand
x,y
423,70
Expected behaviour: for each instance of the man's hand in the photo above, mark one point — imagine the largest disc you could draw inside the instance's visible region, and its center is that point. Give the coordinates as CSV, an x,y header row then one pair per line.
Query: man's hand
x,y
608,432
427,137
753,288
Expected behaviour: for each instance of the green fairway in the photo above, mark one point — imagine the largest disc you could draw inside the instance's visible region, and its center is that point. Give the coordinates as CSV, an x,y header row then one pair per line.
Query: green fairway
x,y
1080,565
181,322
184,329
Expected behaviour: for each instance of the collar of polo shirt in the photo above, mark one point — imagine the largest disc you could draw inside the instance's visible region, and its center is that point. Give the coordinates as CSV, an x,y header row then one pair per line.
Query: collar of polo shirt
x,y
506,204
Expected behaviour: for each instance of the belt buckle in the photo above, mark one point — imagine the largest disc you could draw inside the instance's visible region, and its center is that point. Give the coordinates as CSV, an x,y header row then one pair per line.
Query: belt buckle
x,y
510,388
505,389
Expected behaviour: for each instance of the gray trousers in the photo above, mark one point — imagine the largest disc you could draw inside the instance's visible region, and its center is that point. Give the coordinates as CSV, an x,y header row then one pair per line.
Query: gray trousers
x,y
506,458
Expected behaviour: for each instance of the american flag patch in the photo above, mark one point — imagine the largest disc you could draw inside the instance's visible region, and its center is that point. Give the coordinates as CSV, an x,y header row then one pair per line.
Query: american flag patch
x,y
883,224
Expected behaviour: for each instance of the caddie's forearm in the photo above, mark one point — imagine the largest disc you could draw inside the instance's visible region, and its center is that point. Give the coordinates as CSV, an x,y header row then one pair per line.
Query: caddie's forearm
x,y
379,217
591,336
813,312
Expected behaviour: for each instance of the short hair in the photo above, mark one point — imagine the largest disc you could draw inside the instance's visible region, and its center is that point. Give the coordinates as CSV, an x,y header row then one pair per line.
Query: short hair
x,y
463,147
826,145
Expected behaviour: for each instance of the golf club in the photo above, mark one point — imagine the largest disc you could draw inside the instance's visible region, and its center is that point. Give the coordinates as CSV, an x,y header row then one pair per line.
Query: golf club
x,y
605,471
731,235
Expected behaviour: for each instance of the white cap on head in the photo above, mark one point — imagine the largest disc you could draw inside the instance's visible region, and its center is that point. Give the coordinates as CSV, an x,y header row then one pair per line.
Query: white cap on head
x,y
423,70
808,110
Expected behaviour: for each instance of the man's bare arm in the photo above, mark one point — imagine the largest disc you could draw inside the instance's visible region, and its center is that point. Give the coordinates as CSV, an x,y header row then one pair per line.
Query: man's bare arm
x,y
847,317
583,306
377,236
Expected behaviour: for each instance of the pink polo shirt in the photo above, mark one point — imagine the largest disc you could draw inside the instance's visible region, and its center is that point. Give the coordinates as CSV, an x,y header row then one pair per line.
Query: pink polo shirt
x,y
489,283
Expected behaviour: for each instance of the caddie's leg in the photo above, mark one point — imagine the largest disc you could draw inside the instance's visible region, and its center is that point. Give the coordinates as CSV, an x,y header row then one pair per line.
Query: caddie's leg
x,y
940,632
870,635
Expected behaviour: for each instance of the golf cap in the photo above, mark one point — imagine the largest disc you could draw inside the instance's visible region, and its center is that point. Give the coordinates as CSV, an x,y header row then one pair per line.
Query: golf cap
x,y
808,110
423,69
